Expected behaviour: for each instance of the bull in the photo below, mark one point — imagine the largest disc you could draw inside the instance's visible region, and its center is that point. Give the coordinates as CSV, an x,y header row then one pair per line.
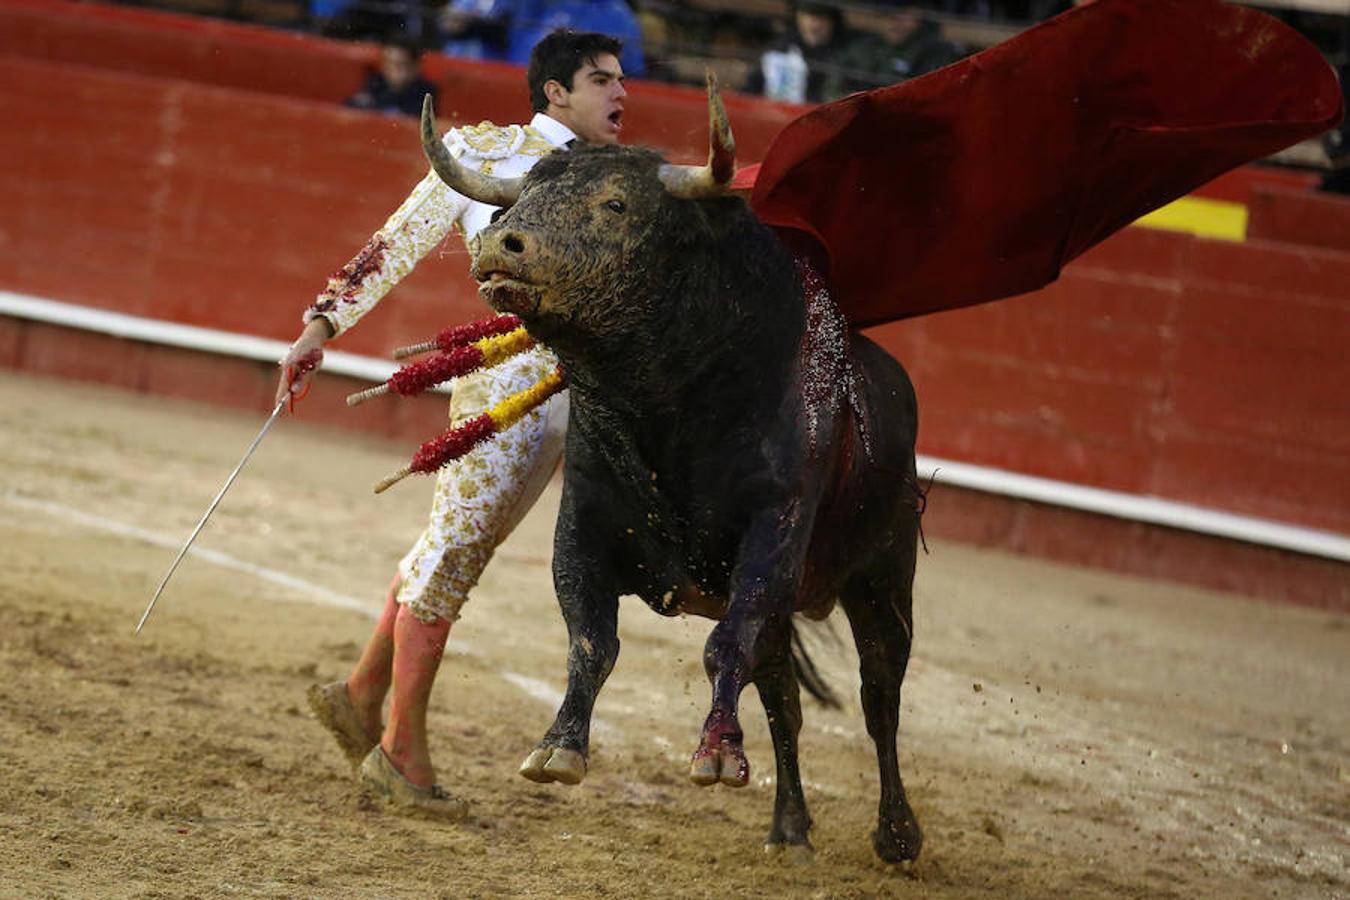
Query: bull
x,y
734,450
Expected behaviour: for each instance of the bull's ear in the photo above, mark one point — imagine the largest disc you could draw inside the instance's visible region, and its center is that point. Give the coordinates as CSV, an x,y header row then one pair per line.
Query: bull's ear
x,y
474,185
713,179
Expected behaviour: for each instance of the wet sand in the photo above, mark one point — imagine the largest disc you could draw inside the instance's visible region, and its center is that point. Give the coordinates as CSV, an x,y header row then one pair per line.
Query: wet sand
x,y
1064,732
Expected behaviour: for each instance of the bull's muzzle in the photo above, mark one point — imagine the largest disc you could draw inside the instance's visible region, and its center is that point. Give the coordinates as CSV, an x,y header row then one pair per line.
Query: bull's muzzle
x,y
501,261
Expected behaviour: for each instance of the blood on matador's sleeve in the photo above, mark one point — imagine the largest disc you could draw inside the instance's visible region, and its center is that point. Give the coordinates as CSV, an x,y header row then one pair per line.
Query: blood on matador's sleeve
x,y
982,179
413,231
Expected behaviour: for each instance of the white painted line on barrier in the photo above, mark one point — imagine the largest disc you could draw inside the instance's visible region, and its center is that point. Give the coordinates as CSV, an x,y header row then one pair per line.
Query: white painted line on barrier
x,y
1117,504
1136,507
188,337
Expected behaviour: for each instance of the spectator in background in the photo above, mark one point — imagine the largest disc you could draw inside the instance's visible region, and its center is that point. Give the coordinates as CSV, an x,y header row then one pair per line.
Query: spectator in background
x,y
611,17
364,19
507,30
483,29
805,67
398,86
909,44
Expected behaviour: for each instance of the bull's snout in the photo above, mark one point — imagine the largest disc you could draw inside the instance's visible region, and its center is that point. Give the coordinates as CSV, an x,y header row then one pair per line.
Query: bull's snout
x,y
509,247
503,262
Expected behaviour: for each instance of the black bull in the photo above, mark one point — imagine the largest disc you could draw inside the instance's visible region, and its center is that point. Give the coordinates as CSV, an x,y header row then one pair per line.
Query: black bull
x,y
734,450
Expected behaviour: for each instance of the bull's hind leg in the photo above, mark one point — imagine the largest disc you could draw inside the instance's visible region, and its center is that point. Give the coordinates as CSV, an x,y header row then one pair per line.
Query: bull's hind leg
x,y
776,682
879,613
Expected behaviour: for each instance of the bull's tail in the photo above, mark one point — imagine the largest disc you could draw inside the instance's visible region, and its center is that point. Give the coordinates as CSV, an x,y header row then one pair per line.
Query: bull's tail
x,y
808,676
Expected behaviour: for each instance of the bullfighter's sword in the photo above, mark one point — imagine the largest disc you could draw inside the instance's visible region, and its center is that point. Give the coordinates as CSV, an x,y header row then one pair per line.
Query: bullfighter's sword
x,y
281,404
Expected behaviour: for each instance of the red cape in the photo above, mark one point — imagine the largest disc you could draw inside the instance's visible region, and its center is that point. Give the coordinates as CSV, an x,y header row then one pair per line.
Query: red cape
x,y
983,179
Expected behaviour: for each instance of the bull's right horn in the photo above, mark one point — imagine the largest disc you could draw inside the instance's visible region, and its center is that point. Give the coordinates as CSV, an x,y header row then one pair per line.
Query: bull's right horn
x,y
474,185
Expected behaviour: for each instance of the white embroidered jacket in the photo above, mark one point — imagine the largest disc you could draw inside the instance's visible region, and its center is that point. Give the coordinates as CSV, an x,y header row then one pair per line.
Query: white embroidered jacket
x,y
430,212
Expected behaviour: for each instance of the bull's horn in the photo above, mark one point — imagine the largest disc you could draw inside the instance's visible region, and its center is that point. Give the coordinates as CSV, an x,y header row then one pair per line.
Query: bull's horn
x,y
712,180
474,185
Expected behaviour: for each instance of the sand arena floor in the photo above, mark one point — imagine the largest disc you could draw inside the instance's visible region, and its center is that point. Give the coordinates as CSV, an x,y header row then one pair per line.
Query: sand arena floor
x,y
1065,733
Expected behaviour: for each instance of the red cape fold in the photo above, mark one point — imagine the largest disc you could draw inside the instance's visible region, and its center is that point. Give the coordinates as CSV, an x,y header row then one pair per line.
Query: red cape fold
x,y
982,179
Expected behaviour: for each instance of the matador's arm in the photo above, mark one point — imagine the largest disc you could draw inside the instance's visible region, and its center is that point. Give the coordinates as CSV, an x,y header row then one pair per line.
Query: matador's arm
x,y
417,226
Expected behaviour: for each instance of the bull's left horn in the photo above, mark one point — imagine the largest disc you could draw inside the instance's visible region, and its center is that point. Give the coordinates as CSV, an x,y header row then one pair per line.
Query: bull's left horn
x,y
474,185
714,179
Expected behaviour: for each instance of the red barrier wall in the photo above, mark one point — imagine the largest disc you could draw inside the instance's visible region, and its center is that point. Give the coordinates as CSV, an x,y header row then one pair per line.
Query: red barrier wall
x,y
1200,371
1204,371
285,64
1197,370
1279,213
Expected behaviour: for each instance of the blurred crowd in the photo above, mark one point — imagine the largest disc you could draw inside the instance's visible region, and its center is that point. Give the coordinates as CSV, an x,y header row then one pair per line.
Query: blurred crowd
x,y
811,56
801,51
500,30
797,51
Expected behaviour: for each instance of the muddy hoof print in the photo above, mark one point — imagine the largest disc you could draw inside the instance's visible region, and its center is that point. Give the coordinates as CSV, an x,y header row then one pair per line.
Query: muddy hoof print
x,y
549,764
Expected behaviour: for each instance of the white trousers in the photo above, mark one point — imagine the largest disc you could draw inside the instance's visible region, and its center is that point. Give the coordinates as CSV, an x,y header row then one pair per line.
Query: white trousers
x,y
482,496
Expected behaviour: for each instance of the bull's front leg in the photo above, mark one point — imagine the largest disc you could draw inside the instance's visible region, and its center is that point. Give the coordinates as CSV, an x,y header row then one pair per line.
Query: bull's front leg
x,y
764,586
592,615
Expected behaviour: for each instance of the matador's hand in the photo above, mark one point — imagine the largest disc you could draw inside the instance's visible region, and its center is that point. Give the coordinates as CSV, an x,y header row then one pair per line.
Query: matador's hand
x,y
303,360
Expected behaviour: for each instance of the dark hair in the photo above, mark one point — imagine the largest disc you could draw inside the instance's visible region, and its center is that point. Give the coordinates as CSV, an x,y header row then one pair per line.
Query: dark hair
x,y
560,55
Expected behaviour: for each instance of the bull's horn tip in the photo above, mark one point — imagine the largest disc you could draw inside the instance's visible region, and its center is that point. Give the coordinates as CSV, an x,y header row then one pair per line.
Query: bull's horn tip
x,y
428,116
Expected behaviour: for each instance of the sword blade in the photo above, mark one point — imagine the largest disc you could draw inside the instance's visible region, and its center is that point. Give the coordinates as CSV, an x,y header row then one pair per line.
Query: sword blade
x,y
210,509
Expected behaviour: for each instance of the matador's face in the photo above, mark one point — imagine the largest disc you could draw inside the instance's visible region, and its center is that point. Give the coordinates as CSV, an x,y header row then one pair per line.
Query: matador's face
x,y
593,107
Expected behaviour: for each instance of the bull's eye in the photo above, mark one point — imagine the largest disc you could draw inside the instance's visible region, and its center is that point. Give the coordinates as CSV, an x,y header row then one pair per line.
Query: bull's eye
x,y
497,214
615,206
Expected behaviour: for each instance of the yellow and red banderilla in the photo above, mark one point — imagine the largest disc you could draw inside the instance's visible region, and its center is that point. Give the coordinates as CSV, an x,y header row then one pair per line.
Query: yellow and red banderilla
x,y
463,349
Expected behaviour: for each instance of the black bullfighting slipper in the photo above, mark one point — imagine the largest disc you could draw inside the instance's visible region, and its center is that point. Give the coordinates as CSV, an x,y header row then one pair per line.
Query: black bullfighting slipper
x,y
333,708
379,775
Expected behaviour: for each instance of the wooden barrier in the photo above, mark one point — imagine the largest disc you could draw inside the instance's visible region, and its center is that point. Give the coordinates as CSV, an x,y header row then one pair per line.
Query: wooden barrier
x,y
287,64
1161,364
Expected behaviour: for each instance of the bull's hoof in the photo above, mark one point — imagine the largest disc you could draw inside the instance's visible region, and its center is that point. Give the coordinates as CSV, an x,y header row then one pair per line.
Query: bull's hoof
x,y
725,763
791,854
899,840
549,764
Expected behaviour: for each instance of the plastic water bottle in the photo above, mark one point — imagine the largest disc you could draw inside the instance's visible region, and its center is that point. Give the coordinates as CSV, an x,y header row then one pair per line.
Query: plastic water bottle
x,y
785,75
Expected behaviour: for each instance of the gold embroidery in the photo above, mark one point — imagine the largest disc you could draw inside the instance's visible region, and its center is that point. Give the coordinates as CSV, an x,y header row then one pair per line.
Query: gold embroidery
x,y
477,497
